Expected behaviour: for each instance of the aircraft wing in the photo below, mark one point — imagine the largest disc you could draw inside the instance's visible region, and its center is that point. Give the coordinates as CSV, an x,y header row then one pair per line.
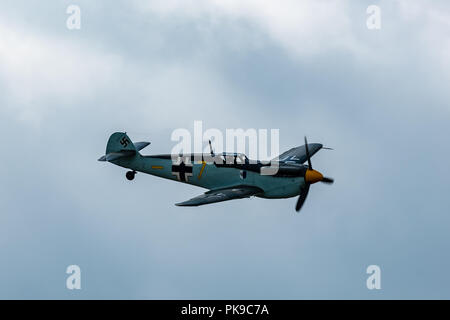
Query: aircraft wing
x,y
298,154
213,196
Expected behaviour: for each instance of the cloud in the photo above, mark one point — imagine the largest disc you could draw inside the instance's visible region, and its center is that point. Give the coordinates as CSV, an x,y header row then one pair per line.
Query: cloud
x,y
302,27
433,37
36,68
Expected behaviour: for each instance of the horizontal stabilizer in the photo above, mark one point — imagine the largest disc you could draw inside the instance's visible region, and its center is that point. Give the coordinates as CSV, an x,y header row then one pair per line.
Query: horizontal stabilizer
x,y
117,155
140,145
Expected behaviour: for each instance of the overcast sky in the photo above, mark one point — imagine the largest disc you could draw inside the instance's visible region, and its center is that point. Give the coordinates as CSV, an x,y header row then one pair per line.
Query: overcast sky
x,y
380,98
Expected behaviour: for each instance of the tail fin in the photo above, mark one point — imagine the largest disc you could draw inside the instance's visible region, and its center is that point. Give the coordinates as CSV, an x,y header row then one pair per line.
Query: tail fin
x,y
118,142
119,146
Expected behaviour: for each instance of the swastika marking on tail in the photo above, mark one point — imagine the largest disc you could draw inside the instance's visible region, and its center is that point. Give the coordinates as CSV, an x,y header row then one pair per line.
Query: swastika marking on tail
x,y
124,142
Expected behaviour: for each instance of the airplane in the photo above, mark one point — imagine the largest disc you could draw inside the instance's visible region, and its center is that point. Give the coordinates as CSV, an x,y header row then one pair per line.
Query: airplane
x,y
227,176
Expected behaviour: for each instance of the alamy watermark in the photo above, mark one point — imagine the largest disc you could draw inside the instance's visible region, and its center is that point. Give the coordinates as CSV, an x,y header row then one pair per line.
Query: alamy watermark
x,y
373,22
73,281
252,141
73,22
374,280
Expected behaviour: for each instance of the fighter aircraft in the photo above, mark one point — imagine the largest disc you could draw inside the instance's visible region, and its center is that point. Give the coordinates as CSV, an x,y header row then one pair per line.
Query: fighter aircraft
x,y
227,176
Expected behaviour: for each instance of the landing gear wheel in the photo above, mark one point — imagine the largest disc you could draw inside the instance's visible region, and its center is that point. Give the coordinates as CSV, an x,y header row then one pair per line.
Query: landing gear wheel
x,y
130,175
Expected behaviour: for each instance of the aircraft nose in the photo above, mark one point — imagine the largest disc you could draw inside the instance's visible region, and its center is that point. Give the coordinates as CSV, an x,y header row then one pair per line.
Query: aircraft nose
x,y
313,176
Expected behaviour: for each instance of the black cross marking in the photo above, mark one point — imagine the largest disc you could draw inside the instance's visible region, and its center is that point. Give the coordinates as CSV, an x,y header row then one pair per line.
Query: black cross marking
x,y
124,142
180,171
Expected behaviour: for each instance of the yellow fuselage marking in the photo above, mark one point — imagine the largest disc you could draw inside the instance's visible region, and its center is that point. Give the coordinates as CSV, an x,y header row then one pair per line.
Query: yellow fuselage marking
x,y
201,170
157,167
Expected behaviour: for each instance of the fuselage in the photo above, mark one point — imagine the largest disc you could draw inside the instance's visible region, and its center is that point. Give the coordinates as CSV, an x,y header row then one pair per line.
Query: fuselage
x,y
199,171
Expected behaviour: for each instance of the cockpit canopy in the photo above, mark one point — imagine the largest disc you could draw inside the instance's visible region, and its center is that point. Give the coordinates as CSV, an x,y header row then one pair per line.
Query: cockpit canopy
x,y
233,158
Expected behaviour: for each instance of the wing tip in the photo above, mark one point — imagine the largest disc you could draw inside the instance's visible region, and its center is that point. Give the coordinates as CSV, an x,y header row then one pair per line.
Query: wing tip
x,y
186,204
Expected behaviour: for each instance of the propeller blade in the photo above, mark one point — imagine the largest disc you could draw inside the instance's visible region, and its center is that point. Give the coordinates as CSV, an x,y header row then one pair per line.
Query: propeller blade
x,y
307,154
327,180
302,197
